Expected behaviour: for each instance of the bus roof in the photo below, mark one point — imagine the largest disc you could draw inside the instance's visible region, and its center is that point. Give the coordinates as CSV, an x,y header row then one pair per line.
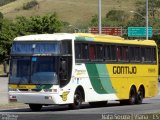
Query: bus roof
x,y
112,39
83,37
44,37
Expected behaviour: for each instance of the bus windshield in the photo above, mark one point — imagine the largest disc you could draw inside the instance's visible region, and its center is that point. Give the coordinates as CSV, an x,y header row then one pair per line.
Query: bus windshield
x,y
35,48
33,70
35,62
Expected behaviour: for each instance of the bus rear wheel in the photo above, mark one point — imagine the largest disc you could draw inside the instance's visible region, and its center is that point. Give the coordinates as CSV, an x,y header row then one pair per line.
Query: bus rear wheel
x,y
78,98
35,107
140,96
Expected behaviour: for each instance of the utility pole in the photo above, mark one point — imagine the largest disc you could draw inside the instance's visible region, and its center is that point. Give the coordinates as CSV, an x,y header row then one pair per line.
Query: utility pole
x,y
146,19
99,17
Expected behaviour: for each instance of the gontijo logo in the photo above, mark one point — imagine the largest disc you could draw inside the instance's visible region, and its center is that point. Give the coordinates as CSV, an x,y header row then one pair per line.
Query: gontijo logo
x,y
124,70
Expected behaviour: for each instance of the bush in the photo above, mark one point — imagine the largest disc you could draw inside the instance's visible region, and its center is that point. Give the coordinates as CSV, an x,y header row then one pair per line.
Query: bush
x,y
30,5
117,15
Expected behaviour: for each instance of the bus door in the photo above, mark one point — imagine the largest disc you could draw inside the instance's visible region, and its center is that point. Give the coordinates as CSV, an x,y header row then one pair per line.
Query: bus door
x,y
65,67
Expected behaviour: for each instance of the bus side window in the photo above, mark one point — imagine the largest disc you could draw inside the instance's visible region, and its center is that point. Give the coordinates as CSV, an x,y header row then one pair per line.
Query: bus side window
x,y
143,54
148,54
85,51
78,53
154,55
122,53
113,52
137,54
99,52
92,54
119,53
107,52
110,53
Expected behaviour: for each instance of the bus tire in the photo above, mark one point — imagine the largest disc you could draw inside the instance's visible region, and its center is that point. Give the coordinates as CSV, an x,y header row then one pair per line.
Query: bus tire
x,y
140,95
132,96
35,107
78,98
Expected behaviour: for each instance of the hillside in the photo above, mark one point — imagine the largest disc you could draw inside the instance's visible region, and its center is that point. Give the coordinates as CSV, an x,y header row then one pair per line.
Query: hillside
x,y
72,11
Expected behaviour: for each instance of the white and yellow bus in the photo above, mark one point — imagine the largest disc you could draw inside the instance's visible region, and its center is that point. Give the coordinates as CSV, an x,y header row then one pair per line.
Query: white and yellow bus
x,y
63,68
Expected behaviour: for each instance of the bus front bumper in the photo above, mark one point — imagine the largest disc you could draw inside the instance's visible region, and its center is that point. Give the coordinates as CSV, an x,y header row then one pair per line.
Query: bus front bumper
x,y
37,98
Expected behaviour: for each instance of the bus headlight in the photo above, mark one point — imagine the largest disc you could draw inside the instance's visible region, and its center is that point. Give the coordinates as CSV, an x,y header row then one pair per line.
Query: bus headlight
x,y
12,98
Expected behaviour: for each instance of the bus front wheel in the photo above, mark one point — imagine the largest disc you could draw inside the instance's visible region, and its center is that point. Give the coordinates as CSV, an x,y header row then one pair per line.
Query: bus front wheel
x,y
77,100
132,96
35,107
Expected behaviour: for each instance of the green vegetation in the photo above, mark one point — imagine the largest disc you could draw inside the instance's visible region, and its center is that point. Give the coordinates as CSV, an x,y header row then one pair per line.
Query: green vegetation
x,y
70,11
23,26
30,5
4,2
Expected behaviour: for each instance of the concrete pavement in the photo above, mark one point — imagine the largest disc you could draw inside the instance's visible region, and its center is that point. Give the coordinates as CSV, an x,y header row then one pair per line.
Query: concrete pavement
x,y
4,90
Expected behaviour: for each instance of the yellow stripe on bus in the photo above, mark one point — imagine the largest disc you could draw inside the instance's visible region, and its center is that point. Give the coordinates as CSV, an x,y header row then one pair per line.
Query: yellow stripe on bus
x,y
22,86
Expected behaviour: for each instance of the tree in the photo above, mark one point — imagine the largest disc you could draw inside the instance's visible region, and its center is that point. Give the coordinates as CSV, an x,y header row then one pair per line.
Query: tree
x,y
24,26
7,33
94,20
117,15
45,24
113,18
38,24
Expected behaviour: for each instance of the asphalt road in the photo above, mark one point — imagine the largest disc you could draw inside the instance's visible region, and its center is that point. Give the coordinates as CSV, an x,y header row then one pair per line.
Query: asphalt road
x,y
112,111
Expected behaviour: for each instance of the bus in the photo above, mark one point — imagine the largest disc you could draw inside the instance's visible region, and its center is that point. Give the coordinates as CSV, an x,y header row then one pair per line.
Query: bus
x,y
69,69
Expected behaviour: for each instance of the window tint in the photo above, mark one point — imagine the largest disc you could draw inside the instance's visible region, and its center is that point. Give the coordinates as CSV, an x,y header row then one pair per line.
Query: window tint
x,y
78,51
107,52
119,53
122,53
110,52
125,53
84,51
135,54
154,55
113,52
148,54
66,47
100,52
92,54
